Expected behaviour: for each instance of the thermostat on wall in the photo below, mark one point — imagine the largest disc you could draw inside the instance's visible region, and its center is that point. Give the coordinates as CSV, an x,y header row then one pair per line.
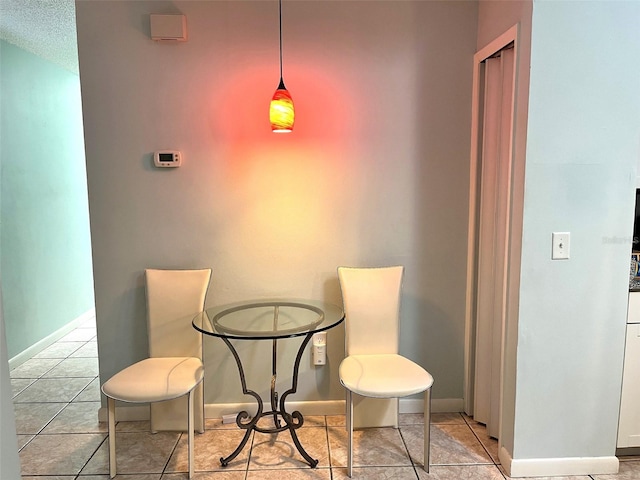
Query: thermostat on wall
x,y
167,158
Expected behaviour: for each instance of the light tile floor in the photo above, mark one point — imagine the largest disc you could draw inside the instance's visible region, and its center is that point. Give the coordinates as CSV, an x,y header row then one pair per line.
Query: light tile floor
x,y
56,398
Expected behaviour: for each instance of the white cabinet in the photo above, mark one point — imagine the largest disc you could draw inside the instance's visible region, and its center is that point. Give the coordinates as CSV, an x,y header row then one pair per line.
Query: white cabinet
x,y
629,427
633,311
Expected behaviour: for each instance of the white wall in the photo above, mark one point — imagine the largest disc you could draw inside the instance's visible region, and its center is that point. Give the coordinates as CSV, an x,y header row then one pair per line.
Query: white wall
x,y
582,150
375,172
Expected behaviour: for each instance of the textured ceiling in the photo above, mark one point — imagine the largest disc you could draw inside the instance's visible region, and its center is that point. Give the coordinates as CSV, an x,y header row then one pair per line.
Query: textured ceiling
x,y
46,28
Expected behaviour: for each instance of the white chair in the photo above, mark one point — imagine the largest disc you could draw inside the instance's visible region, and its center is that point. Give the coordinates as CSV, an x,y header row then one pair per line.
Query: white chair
x,y
173,374
372,367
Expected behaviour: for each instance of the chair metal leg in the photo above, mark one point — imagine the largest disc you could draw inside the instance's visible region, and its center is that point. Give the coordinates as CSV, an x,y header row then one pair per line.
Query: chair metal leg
x,y
190,426
111,417
427,429
201,408
349,433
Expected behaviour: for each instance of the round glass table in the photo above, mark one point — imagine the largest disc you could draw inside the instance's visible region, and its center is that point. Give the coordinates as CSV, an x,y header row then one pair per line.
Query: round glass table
x,y
269,320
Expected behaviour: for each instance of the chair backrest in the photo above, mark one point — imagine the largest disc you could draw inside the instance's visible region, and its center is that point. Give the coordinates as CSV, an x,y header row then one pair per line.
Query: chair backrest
x,y
174,297
371,298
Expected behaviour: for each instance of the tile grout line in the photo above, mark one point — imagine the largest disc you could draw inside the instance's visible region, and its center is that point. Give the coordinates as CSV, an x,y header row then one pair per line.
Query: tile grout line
x,y
329,457
170,456
91,456
42,376
406,448
495,464
484,447
326,436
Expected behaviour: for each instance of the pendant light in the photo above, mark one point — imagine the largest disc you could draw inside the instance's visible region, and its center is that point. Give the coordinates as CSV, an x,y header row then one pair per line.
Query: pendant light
x,y
281,111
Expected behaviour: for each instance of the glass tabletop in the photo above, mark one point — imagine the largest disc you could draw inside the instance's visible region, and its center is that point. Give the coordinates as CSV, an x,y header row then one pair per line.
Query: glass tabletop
x,y
268,319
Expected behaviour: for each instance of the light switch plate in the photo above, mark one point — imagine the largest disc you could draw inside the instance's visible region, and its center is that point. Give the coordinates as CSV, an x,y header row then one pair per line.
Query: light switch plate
x,y
560,245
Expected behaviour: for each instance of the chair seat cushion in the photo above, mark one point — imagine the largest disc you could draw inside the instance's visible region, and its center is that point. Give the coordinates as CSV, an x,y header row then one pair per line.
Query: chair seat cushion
x,y
155,379
383,376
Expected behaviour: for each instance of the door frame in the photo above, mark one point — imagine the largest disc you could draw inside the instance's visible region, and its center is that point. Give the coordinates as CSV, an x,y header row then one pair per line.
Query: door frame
x,y
502,41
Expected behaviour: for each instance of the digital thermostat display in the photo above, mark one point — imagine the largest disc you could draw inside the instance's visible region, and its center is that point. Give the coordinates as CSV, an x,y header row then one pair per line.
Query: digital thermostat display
x,y
167,158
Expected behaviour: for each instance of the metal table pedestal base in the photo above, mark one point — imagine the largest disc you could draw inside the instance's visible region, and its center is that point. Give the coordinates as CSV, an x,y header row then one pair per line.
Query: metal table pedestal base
x,y
281,418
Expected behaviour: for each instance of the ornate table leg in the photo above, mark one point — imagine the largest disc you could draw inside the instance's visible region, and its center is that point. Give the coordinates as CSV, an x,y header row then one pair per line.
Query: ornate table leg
x,y
292,421
295,419
250,425
274,370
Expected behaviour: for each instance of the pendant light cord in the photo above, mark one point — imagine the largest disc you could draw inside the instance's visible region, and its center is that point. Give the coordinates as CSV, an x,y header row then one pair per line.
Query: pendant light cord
x,y
280,15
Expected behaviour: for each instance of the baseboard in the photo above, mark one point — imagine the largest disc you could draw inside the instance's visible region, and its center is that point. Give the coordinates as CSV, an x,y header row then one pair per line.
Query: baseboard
x,y
335,407
318,407
438,405
552,467
217,410
133,413
49,340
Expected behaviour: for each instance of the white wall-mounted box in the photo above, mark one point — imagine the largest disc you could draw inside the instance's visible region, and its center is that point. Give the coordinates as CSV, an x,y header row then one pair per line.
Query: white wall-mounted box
x,y
168,28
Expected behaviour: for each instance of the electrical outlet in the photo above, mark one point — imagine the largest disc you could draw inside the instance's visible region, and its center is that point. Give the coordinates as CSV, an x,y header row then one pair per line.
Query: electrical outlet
x,y
319,348
560,245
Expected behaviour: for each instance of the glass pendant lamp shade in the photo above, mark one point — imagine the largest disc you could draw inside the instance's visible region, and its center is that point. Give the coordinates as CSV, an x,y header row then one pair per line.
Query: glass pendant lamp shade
x,y
281,112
